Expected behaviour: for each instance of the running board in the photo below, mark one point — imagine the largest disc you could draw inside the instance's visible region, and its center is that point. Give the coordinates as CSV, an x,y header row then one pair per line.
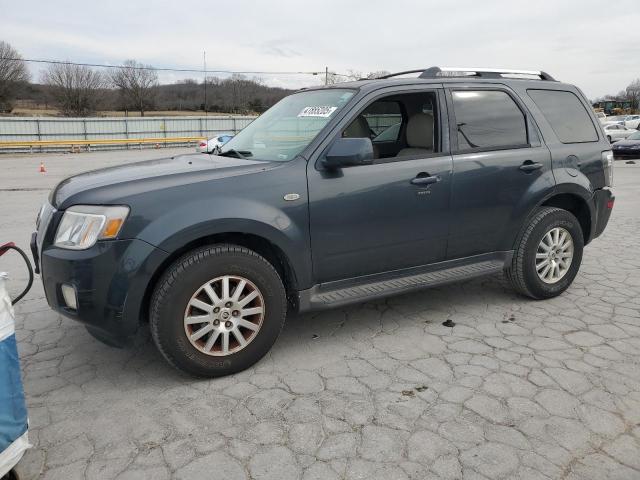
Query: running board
x,y
362,289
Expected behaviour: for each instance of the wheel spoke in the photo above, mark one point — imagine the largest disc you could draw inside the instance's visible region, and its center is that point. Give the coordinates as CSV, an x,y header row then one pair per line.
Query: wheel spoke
x,y
212,341
563,236
541,255
245,312
566,245
248,298
542,264
225,288
201,333
225,342
211,294
192,319
247,324
241,340
238,291
200,305
543,274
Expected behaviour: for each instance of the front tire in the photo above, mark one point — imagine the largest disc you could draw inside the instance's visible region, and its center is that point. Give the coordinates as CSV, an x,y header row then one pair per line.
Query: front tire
x,y
547,257
217,310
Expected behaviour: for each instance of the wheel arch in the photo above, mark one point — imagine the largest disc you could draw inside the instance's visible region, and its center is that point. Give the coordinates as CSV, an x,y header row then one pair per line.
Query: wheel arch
x,y
578,206
273,253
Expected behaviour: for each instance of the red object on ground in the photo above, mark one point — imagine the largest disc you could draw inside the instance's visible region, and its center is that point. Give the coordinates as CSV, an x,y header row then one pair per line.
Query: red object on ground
x,y
42,169
4,248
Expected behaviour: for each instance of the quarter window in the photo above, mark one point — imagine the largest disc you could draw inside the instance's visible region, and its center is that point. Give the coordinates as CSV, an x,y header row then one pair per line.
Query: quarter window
x,y
488,119
566,114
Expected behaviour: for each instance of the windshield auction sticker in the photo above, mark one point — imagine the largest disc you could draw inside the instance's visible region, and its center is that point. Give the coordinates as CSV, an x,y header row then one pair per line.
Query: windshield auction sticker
x,y
317,111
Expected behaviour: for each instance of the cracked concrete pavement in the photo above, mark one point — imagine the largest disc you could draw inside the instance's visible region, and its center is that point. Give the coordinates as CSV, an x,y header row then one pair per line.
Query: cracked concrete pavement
x,y
516,389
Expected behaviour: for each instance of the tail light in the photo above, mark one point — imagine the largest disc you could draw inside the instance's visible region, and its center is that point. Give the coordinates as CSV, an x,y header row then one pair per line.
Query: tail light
x,y
202,144
607,163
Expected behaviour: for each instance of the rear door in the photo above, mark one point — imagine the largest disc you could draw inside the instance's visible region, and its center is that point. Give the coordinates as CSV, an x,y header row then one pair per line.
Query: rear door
x,y
500,168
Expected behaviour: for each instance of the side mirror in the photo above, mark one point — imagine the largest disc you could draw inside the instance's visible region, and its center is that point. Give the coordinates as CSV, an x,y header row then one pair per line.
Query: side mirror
x,y
349,152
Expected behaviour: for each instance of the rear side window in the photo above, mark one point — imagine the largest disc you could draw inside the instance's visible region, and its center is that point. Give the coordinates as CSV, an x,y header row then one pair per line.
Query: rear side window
x,y
488,119
566,114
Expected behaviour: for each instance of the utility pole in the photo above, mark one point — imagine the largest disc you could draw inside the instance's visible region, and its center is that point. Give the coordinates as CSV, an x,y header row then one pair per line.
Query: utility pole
x,y
326,76
204,70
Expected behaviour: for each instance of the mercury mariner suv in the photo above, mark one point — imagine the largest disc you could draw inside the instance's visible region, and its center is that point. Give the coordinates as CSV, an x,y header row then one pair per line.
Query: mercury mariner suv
x,y
336,195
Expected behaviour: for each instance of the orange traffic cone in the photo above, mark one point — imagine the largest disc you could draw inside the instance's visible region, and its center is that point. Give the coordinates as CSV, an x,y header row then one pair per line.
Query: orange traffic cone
x,y
42,169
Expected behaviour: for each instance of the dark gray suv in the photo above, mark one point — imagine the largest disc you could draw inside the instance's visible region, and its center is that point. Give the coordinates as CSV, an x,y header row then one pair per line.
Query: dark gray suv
x,y
335,195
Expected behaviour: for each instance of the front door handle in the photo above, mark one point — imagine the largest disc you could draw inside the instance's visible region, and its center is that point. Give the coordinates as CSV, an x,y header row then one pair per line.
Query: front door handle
x,y
425,179
529,166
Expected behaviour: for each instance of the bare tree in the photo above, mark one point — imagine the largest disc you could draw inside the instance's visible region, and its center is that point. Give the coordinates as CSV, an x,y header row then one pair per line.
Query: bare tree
x,y
137,84
13,72
633,93
76,88
351,75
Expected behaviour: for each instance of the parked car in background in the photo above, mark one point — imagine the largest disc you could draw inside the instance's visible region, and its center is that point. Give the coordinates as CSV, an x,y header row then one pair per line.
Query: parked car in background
x,y
601,116
632,121
628,148
615,119
212,144
615,132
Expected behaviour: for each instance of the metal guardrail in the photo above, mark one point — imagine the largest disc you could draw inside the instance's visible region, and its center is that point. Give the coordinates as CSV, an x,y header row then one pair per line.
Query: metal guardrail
x,y
97,142
35,131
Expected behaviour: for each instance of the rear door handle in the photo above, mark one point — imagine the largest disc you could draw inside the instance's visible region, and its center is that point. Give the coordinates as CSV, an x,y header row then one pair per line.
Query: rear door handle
x,y
530,166
425,179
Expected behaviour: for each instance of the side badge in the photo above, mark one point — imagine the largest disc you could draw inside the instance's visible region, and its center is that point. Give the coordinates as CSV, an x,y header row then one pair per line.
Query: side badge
x,y
290,197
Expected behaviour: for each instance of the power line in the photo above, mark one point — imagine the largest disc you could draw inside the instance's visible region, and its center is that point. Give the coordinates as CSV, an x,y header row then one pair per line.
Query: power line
x,y
167,69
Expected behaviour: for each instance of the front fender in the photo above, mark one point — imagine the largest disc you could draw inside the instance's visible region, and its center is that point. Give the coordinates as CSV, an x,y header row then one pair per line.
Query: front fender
x,y
285,227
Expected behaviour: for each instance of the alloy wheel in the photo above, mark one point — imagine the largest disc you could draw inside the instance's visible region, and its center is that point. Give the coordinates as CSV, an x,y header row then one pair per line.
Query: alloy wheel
x,y
224,315
554,255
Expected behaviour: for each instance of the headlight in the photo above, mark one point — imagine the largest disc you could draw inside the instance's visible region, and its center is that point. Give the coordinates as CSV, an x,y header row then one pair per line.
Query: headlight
x,y
83,225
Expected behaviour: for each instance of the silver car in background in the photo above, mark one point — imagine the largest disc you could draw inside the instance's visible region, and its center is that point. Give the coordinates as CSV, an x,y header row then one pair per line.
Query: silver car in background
x,y
209,146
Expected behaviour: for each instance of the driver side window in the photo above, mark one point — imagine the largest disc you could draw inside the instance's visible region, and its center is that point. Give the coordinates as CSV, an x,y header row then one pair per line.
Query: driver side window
x,y
400,126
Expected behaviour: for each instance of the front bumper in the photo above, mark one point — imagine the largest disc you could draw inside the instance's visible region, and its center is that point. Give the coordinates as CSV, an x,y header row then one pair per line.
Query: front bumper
x,y
603,200
110,280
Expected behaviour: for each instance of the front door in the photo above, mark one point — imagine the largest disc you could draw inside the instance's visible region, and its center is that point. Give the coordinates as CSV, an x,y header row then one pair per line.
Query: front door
x,y
384,216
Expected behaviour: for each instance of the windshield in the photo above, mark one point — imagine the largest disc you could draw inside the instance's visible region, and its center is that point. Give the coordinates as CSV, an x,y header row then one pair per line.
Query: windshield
x,y
283,131
634,136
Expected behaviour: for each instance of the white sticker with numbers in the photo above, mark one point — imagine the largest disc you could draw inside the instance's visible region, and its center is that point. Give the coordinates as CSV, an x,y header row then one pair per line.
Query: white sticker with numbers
x,y
317,111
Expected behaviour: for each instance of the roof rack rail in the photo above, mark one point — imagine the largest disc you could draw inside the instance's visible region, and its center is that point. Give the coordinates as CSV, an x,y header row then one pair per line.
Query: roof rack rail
x,y
483,72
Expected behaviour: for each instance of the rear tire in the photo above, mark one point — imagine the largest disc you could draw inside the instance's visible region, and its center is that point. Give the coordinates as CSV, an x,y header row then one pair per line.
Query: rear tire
x,y
553,238
209,278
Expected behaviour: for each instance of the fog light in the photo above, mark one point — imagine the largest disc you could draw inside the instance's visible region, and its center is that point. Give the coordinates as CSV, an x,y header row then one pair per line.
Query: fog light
x,y
69,295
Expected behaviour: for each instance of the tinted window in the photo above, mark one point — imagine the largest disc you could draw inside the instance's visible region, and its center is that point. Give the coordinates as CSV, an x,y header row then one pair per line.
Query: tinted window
x,y
566,114
488,119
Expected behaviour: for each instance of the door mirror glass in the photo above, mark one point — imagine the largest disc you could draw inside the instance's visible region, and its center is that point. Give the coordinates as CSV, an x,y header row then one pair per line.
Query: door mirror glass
x,y
349,152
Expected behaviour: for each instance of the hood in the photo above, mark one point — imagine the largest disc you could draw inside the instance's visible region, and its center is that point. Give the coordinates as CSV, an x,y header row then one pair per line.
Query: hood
x,y
112,183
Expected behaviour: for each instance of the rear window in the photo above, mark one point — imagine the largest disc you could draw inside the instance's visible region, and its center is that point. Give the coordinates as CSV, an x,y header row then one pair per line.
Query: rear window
x,y
566,114
488,119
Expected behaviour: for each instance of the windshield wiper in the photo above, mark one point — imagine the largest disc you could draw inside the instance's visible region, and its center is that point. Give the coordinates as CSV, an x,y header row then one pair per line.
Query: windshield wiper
x,y
243,154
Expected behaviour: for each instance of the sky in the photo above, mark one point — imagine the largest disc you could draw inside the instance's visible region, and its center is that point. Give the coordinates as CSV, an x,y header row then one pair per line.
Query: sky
x,y
590,43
